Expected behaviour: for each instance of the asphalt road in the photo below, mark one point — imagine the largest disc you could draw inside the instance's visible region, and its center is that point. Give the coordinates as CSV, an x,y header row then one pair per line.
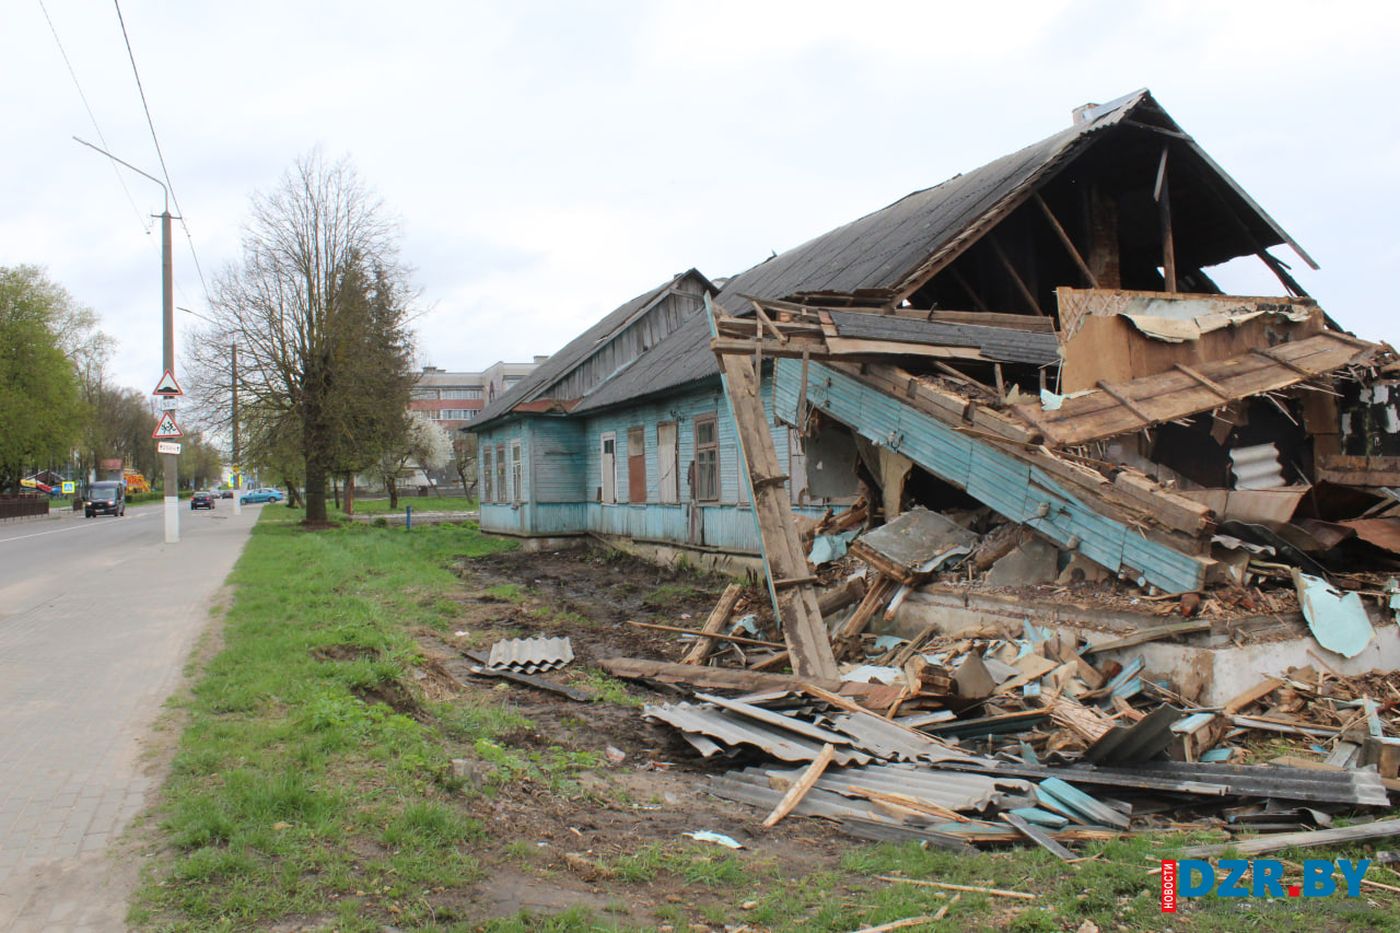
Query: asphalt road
x,y
97,618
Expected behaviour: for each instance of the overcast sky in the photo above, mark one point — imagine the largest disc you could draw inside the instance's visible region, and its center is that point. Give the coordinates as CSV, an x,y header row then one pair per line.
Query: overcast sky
x,y
545,162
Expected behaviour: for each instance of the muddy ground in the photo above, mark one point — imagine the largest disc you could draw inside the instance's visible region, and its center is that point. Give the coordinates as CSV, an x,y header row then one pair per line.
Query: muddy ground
x,y
553,847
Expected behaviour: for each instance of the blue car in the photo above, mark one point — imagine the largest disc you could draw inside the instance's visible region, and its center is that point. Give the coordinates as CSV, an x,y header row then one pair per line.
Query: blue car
x,y
265,494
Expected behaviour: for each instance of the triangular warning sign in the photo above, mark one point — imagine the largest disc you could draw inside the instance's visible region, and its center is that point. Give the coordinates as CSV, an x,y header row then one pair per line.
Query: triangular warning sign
x,y
168,385
166,427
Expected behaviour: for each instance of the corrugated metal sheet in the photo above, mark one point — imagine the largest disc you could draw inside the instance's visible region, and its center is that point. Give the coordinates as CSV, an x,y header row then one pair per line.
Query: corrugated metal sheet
x,y
731,729
530,655
1015,489
1141,741
888,740
995,343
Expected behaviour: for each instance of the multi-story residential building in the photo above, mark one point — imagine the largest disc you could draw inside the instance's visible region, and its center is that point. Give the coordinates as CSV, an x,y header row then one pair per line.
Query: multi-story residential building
x,y
453,399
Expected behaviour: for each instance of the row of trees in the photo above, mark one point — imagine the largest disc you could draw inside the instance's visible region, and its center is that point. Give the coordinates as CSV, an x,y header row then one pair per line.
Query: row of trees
x,y
318,307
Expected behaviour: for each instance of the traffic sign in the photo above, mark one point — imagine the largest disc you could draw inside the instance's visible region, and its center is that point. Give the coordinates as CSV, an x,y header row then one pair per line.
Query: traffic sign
x,y
69,487
167,385
167,447
166,427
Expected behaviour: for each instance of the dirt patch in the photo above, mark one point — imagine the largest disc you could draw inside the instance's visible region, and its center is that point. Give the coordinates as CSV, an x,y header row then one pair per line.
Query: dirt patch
x,y
394,695
554,846
343,653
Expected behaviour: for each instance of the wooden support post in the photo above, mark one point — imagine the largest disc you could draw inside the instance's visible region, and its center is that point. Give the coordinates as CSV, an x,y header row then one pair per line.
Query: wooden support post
x,y
1164,213
718,617
1068,243
795,607
1021,286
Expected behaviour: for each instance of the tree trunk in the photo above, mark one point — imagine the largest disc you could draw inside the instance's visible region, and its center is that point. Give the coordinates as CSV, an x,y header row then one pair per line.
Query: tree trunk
x,y
293,494
315,492
392,485
349,493
335,490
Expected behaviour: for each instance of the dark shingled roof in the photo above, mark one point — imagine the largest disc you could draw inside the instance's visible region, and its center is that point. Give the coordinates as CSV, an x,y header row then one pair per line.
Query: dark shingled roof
x,y
573,353
1039,348
874,256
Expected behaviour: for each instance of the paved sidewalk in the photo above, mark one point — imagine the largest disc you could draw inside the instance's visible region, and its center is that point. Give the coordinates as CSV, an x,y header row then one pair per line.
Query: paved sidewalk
x,y
95,626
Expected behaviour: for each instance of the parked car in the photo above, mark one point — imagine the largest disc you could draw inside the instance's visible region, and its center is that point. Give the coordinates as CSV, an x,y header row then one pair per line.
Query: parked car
x,y
225,493
105,498
264,494
202,500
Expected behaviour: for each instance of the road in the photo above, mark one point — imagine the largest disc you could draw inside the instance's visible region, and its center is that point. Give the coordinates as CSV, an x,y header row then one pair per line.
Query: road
x,y
97,618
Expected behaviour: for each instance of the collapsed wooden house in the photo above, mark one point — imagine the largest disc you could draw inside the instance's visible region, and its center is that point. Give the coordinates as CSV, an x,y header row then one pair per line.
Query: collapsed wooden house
x,y
1037,343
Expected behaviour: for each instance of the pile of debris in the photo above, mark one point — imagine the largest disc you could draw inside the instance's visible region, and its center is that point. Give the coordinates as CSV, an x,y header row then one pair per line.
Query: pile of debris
x,y
988,741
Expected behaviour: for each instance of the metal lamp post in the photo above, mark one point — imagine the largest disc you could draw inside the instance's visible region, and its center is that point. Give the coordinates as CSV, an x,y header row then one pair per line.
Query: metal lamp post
x,y
167,279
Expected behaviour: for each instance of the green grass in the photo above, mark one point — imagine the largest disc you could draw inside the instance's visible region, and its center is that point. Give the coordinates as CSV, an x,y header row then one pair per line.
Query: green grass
x,y
419,503
311,786
295,784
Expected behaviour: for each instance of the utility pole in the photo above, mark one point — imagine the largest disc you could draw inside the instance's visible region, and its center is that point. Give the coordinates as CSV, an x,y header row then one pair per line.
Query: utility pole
x,y
167,295
167,281
237,470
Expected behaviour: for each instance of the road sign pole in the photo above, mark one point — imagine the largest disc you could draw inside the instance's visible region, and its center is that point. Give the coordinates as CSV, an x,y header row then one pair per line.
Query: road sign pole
x,y
237,469
172,469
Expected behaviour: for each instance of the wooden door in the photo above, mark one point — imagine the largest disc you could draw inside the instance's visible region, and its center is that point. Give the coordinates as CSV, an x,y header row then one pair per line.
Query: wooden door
x,y
667,461
608,485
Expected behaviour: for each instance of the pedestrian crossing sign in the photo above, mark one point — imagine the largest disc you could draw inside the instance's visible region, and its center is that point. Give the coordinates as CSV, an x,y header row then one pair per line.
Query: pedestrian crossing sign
x,y
166,427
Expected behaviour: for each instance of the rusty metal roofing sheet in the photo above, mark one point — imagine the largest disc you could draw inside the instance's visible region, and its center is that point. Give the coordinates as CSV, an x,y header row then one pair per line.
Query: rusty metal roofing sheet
x,y
530,655
733,729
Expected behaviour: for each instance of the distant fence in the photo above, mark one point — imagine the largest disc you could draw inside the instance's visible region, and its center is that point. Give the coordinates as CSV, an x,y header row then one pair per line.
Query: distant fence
x,y
23,506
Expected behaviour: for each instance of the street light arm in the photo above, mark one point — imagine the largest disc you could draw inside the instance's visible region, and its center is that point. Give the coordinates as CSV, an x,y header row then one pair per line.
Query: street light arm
x,y
153,178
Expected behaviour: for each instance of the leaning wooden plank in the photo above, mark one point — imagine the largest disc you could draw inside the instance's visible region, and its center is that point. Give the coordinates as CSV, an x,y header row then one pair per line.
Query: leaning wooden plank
x,y
947,886
713,678
799,787
1037,835
795,607
716,636
916,804
1380,829
1154,633
718,617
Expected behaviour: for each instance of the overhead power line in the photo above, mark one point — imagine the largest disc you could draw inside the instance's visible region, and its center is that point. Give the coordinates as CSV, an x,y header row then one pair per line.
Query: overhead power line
x,y
170,186
140,218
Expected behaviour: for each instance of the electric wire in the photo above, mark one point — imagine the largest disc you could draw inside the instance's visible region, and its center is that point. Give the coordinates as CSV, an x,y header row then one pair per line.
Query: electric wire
x,y
72,73
159,154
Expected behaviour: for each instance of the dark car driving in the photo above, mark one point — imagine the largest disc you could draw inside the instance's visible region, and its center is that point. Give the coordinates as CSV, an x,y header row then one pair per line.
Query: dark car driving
x,y
107,498
202,500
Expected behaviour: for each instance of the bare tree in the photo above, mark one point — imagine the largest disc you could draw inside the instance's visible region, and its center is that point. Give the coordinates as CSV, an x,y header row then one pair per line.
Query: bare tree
x,y
319,312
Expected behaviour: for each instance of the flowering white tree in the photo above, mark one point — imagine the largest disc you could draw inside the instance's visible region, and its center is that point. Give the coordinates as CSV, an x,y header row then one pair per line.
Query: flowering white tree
x,y
425,446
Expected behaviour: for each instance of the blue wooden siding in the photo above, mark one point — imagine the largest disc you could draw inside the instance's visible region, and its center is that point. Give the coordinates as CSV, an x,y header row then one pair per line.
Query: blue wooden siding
x,y
1019,491
563,467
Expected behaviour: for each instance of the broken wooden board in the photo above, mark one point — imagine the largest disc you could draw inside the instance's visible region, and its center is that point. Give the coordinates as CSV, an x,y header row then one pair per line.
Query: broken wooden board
x,y
1132,405
712,678
1380,829
1154,633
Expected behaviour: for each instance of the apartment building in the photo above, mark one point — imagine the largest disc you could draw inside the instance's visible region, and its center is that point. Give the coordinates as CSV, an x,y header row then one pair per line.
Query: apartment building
x,y
453,399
